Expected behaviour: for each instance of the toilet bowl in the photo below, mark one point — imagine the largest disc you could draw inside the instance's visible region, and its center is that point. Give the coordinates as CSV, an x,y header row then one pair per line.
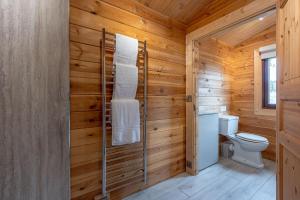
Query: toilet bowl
x,y
247,147
248,151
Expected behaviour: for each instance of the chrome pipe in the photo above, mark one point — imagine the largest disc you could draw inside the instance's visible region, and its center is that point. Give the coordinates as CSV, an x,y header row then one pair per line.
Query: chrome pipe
x,y
145,113
104,192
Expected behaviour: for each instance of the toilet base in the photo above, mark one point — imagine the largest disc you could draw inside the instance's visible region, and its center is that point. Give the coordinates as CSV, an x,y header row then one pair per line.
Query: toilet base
x,y
253,159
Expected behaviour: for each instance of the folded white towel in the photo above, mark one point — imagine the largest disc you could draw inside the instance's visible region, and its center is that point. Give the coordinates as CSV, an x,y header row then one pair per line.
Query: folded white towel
x,y
125,121
126,50
126,81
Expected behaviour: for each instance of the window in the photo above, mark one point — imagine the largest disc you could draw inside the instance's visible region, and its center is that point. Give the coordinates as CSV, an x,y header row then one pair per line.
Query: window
x,y
265,80
269,82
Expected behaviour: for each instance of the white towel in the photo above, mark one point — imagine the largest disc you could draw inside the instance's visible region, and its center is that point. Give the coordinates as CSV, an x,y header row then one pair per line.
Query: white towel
x,y
125,121
126,50
126,81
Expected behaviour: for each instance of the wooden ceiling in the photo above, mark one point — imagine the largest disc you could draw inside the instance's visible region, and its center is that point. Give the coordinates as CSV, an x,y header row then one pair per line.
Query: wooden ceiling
x,y
237,35
192,11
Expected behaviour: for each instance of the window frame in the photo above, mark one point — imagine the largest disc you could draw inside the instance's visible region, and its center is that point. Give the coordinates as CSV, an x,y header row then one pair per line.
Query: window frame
x,y
265,84
258,81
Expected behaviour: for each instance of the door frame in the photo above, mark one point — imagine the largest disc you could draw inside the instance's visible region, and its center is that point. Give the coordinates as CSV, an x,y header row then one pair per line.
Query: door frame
x,y
231,20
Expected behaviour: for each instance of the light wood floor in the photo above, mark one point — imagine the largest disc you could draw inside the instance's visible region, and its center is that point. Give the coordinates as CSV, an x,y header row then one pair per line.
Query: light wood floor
x,y
227,180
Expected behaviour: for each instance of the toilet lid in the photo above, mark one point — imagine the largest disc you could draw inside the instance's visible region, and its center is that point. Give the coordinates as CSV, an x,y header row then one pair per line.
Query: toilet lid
x,y
251,137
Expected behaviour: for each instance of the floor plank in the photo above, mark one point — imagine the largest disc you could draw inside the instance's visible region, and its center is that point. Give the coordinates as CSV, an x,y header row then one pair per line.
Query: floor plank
x,y
268,191
248,186
226,180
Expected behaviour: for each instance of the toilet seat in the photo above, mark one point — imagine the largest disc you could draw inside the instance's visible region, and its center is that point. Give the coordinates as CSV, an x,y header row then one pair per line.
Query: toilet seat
x,y
251,138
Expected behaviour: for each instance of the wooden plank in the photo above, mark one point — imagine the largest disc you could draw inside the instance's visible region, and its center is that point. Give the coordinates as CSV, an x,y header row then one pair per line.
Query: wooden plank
x,y
85,136
290,173
93,102
92,86
85,119
98,22
160,138
251,9
267,35
90,185
214,11
122,16
290,117
145,12
165,90
166,113
165,124
84,69
92,70
289,92
87,40
242,32
84,52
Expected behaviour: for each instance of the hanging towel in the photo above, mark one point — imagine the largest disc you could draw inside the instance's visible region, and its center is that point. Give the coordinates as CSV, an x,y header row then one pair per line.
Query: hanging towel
x,y
126,50
125,121
126,81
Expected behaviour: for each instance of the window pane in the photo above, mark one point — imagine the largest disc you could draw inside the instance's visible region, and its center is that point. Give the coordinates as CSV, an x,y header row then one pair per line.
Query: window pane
x,y
272,80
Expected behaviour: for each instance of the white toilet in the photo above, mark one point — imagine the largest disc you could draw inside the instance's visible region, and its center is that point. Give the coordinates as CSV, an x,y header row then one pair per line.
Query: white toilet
x,y
247,147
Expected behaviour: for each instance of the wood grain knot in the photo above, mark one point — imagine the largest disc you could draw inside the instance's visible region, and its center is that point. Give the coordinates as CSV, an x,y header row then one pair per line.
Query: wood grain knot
x,y
92,120
93,106
93,12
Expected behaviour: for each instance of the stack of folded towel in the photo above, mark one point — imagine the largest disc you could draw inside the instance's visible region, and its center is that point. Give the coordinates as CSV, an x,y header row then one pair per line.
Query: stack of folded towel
x,y
125,108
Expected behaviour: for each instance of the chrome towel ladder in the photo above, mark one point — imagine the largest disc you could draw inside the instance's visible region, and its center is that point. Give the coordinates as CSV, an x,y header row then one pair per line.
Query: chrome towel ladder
x,y
107,44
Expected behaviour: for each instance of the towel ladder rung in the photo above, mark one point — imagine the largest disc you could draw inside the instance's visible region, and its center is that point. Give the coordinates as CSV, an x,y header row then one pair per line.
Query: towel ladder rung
x,y
141,103
111,83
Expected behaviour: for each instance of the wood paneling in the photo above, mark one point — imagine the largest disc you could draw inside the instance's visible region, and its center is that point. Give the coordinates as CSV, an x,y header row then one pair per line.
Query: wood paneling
x,y
242,103
213,76
34,90
215,10
166,102
194,13
184,11
245,31
141,10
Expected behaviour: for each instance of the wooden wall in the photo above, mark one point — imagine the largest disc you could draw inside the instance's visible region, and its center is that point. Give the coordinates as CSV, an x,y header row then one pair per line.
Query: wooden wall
x,y
242,101
34,95
212,64
166,120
